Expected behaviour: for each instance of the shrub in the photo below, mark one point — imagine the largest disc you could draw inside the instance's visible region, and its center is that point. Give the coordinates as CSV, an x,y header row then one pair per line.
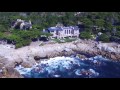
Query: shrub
x,y
46,34
115,38
18,45
104,38
118,34
3,28
85,35
69,40
1,35
26,42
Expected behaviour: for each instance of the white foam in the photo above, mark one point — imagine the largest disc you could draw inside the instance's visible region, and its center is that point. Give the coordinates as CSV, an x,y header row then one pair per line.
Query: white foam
x,y
95,61
23,70
0,70
63,61
93,71
91,59
58,63
78,72
57,76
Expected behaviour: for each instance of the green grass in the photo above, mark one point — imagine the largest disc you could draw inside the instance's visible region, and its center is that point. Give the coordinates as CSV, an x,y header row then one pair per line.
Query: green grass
x,y
66,40
69,40
56,40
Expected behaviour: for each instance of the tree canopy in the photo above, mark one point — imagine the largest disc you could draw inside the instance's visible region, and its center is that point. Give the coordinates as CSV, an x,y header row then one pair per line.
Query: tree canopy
x,y
105,21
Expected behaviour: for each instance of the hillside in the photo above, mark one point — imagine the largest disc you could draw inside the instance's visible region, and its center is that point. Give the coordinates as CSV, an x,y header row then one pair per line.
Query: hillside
x,y
94,22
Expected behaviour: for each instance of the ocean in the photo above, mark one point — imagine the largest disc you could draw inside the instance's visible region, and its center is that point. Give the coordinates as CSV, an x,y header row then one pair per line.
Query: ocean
x,y
73,67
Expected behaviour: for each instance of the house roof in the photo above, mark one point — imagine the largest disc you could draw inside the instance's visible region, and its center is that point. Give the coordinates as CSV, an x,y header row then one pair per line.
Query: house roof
x,y
61,28
55,28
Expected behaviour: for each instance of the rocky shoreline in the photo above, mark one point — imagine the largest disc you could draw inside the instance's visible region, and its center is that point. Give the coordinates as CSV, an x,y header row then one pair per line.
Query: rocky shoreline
x,y
91,48
30,55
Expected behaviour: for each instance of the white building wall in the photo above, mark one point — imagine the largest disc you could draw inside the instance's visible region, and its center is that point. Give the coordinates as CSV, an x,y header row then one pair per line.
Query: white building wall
x,y
65,33
54,34
76,33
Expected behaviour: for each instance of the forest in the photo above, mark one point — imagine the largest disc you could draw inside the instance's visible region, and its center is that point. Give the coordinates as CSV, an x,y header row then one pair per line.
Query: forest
x,y
107,23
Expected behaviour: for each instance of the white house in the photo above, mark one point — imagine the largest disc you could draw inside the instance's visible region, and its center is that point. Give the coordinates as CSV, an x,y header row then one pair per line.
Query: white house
x,y
62,32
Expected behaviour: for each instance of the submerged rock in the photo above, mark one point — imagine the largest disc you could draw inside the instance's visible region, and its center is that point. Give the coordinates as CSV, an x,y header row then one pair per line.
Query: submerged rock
x,y
88,73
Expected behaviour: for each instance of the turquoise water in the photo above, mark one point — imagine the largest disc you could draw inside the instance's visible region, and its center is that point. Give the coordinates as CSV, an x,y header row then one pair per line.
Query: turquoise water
x,y
72,67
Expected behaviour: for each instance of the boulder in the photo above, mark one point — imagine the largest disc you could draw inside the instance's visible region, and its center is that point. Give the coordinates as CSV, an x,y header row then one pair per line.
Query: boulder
x,y
37,58
102,53
26,65
10,72
117,56
1,74
19,61
13,63
3,60
1,65
81,56
113,57
10,64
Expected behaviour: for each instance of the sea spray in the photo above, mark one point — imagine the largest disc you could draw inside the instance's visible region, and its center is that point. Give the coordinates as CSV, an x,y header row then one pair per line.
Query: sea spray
x,y
71,67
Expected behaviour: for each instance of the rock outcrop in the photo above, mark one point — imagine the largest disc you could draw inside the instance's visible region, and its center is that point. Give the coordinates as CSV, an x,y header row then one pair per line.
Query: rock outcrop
x,y
29,55
83,57
9,72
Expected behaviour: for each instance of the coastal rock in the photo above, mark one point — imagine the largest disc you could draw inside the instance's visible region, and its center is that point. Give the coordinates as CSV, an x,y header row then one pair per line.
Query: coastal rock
x,y
36,58
19,61
113,57
107,54
1,75
6,62
14,63
81,56
10,72
1,65
29,55
3,60
52,54
102,53
117,56
10,64
67,51
26,64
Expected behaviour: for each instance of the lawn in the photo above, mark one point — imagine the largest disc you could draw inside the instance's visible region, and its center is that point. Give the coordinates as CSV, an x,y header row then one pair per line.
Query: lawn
x,y
64,40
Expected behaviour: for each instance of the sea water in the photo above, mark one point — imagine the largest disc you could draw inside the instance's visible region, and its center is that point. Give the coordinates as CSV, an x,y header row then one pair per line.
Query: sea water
x,y
72,67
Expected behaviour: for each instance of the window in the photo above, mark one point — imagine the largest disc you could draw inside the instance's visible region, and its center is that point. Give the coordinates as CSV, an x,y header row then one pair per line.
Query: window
x,y
69,31
72,31
57,32
51,31
65,31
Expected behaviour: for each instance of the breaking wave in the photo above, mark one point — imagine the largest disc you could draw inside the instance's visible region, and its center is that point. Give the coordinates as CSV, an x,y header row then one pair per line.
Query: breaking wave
x,y
72,67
